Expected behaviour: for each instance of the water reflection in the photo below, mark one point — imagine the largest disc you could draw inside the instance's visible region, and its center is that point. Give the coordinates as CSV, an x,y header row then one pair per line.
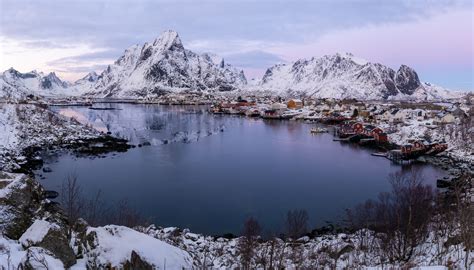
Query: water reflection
x,y
96,123
212,183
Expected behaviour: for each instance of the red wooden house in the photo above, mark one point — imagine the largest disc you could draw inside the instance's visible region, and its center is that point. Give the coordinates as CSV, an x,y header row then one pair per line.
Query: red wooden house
x,y
357,128
381,137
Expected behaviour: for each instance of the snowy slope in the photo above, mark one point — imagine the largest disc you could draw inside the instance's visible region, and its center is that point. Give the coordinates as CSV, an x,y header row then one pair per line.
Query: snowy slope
x,y
165,65
84,84
114,244
16,84
345,76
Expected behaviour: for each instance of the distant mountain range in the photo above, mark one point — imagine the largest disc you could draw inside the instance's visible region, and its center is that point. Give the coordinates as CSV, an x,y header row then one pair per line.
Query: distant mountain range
x,y
345,76
164,66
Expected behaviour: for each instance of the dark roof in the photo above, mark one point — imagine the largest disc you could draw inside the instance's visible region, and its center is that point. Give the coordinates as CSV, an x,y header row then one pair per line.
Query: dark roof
x,y
370,127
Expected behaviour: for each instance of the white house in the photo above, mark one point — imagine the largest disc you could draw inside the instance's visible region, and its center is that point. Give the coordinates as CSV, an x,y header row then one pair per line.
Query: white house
x,y
445,118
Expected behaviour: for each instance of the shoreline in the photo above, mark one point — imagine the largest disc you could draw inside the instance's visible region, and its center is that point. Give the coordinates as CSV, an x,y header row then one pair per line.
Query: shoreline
x,y
104,143
222,248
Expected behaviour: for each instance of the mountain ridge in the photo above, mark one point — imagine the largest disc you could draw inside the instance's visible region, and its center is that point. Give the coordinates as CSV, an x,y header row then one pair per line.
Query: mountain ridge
x,y
165,65
345,76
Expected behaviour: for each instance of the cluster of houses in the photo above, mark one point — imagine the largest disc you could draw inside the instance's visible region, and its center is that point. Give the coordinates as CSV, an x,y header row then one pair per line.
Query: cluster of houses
x,y
369,112
367,123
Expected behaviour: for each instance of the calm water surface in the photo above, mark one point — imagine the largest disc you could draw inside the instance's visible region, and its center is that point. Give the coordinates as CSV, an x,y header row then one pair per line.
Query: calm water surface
x,y
217,170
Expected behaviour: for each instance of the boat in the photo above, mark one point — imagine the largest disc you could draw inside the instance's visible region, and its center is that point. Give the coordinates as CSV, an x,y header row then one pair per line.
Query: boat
x,y
379,154
319,130
252,113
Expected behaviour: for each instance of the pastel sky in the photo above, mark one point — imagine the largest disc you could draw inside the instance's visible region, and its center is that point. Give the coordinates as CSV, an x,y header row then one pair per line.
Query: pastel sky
x,y
75,37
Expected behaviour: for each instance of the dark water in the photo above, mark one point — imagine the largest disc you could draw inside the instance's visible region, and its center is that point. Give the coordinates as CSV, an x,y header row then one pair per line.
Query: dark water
x,y
218,170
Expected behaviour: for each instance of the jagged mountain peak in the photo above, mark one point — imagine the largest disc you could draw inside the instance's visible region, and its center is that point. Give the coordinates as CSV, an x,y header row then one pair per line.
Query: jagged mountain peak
x,y
168,39
163,66
11,72
16,84
51,81
214,58
89,78
406,80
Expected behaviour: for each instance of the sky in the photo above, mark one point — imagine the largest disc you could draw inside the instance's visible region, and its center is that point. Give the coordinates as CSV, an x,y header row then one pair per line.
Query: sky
x,y
73,38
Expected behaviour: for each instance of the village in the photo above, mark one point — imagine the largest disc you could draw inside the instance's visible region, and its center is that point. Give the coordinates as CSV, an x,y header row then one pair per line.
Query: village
x,y
401,131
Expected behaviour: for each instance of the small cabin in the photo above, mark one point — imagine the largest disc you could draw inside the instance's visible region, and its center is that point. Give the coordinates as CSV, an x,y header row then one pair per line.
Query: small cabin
x,y
270,112
418,145
358,127
294,104
381,137
376,130
407,149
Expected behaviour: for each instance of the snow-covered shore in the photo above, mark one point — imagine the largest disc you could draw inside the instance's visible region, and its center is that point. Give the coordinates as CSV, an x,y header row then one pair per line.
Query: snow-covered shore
x,y
26,129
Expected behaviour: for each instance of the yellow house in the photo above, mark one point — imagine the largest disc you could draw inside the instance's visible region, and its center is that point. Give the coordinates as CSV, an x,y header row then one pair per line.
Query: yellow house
x,y
294,104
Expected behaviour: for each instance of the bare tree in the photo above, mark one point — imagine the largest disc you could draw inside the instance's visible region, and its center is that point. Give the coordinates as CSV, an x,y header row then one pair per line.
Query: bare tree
x,y
248,242
127,216
405,214
95,211
401,217
296,223
71,198
464,214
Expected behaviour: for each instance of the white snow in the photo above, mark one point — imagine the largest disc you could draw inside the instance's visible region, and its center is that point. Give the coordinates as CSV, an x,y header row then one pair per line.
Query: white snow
x,y
10,181
36,232
12,255
24,125
116,244
340,76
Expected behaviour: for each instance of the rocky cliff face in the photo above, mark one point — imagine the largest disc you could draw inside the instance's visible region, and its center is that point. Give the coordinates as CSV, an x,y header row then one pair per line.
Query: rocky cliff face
x,y
406,80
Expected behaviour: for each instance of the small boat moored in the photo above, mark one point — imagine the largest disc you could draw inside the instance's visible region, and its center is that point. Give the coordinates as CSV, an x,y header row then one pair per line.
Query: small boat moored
x,y
316,130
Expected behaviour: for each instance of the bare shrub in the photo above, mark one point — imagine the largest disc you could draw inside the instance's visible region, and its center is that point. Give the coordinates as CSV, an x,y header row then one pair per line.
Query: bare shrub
x,y
464,214
401,217
126,215
95,211
296,223
248,242
71,198
271,253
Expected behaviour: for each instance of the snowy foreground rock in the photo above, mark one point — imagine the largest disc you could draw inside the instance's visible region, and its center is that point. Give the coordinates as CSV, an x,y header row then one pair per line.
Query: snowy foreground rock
x,y
34,234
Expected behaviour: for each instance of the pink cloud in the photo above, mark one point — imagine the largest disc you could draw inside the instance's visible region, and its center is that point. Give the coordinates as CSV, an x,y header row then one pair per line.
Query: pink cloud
x,y
445,39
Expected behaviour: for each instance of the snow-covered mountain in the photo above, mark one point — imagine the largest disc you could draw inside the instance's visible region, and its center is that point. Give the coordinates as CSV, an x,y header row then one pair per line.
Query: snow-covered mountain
x,y
165,66
345,76
15,84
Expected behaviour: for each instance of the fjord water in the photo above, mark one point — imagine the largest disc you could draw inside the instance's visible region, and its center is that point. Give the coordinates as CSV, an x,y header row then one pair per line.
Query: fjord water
x,y
215,170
